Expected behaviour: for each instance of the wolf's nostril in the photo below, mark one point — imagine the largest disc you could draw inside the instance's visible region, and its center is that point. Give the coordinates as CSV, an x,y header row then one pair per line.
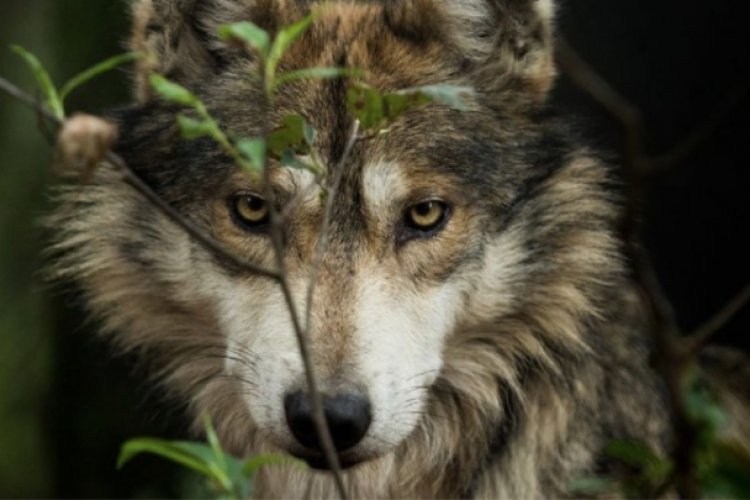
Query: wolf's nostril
x,y
348,417
299,417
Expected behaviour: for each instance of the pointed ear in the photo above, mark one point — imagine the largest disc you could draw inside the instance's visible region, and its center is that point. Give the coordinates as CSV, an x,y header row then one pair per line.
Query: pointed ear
x,y
508,43
179,37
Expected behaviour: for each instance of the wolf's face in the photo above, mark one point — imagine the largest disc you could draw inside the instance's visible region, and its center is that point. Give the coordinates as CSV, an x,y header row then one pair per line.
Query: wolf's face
x,y
389,290
434,232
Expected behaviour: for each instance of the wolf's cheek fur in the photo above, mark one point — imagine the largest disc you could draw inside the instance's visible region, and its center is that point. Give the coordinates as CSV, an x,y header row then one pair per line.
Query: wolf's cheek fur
x,y
262,352
400,333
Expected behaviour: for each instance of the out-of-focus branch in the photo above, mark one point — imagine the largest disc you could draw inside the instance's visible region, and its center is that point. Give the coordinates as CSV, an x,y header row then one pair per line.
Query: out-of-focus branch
x,y
631,118
703,335
301,332
277,221
659,164
588,80
674,353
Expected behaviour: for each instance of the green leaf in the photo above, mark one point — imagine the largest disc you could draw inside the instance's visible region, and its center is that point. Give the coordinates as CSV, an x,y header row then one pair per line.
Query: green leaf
x,y
591,486
632,453
291,133
94,71
395,105
253,150
213,440
366,103
452,96
195,456
315,73
52,98
704,408
248,33
284,39
191,128
376,110
652,468
289,159
730,475
173,92
242,484
310,134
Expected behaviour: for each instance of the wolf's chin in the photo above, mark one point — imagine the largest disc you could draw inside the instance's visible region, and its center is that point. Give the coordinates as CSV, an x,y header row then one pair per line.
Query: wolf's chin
x,y
321,464
347,461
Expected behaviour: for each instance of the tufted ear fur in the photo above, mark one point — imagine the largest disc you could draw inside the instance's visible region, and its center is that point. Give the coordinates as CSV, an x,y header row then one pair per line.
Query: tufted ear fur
x,y
508,42
179,36
502,43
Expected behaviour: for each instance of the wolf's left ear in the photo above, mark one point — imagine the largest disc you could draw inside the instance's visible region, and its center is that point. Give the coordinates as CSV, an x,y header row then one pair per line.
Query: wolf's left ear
x,y
508,43
180,38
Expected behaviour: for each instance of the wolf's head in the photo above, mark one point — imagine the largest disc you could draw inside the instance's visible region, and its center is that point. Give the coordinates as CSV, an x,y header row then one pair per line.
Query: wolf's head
x,y
462,245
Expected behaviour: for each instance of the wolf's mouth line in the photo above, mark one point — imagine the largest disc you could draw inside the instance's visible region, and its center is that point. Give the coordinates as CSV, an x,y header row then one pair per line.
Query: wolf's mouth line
x,y
317,461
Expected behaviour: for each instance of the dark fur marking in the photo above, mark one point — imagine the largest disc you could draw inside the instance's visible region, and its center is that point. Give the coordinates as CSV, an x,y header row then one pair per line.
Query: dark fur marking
x,y
134,251
504,432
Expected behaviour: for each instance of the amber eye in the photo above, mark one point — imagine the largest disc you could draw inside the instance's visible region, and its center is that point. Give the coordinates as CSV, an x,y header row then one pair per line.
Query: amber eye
x,y
250,210
427,215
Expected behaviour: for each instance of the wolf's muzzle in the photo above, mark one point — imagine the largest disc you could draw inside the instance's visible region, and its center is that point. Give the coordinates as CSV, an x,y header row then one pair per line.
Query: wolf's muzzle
x,y
348,415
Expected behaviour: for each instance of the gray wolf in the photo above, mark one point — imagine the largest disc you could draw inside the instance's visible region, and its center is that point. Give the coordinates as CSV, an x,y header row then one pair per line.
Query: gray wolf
x,y
475,328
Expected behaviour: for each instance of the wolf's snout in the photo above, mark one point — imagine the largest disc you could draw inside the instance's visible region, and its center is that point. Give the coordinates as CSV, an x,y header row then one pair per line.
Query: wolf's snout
x,y
348,417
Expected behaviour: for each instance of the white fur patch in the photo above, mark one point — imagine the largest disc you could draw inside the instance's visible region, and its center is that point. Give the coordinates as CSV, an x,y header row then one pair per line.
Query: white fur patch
x,y
399,339
383,186
262,349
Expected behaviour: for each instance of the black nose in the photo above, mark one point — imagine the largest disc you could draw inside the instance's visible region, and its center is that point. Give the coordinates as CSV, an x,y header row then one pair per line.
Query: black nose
x,y
348,417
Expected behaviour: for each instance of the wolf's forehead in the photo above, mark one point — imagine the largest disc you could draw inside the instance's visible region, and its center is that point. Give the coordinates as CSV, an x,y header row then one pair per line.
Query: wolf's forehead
x,y
377,184
369,37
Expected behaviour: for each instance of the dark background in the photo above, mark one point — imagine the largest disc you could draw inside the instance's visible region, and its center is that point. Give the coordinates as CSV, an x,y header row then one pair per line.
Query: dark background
x,y
66,404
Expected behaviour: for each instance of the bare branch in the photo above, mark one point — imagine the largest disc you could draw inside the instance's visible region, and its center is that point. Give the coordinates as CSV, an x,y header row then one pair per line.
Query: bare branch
x,y
706,332
277,237
608,97
660,164
672,357
323,238
631,118
27,99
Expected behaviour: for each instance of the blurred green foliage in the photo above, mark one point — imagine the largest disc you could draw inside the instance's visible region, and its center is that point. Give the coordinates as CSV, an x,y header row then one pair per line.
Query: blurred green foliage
x,y
59,432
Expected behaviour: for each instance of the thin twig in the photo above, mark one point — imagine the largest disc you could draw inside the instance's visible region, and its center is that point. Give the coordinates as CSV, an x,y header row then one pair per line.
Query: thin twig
x,y
585,77
321,424
660,164
302,335
193,230
703,335
674,354
323,238
277,220
27,99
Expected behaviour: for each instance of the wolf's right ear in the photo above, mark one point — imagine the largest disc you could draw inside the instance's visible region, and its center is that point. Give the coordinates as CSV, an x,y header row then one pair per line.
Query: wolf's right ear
x,y
509,42
179,37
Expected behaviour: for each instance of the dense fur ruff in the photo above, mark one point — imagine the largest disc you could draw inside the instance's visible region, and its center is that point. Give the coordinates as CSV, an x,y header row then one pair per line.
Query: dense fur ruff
x,y
499,354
